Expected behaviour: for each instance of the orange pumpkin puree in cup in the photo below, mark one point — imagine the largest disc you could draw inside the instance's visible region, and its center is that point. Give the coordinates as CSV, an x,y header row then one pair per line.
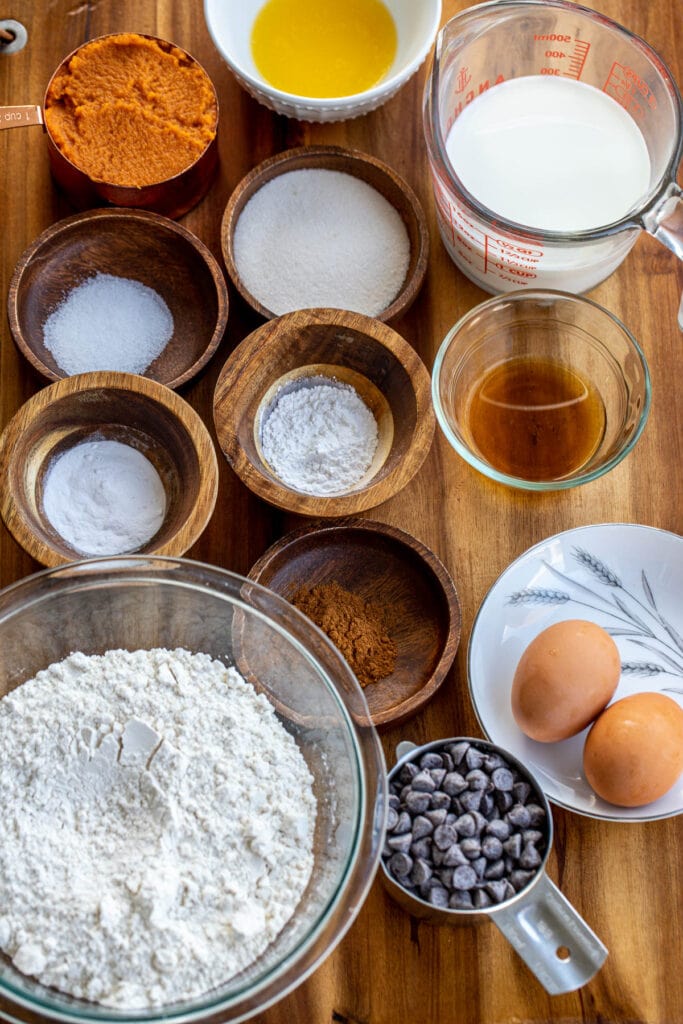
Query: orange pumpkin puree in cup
x,y
130,110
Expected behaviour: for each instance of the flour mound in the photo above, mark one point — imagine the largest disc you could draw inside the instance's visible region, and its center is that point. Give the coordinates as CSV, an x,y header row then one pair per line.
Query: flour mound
x,y
157,826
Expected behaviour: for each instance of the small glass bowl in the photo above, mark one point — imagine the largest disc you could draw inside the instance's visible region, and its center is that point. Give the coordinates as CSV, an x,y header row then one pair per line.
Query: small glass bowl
x,y
487,380
141,602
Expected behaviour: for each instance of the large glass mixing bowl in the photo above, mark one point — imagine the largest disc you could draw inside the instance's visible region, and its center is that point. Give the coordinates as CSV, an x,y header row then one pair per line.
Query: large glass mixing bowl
x,y
144,602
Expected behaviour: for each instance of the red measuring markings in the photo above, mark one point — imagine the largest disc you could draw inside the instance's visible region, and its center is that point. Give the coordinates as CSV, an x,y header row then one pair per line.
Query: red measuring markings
x,y
565,60
629,89
577,59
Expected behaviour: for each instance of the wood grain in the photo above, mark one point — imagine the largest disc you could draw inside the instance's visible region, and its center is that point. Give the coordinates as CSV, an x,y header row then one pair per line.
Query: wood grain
x,y
359,350
345,161
625,880
393,570
120,407
132,244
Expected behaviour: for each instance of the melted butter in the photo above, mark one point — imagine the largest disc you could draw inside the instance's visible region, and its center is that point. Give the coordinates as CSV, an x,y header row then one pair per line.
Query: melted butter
x,y
323,48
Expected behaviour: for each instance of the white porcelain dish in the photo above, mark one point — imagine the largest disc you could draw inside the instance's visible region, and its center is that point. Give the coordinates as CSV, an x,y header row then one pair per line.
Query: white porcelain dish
x,y
625,577
230,22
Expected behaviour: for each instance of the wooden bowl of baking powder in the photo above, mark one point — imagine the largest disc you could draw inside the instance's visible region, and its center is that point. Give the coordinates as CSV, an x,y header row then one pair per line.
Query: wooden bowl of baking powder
x,y
325,226
159,435
324,366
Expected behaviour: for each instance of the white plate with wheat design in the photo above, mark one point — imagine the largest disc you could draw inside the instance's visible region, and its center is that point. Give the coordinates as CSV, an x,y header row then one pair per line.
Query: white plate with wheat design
x,y
629,580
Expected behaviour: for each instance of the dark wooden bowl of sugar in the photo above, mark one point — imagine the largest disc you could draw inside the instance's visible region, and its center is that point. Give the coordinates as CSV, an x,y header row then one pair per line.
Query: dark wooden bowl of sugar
x,y
397,576
368,170
136,246
127,408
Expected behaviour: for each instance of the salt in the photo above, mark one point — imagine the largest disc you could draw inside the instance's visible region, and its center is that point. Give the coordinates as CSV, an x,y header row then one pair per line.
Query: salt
x,y
104,497
320,438
316,237
108,323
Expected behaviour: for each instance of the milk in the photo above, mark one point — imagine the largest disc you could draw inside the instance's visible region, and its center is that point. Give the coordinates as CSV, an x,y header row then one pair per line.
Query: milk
x,y
551,153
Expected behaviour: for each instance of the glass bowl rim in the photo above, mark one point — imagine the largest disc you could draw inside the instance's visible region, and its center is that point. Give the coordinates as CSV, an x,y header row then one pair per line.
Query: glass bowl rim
x,y
369,802
520,483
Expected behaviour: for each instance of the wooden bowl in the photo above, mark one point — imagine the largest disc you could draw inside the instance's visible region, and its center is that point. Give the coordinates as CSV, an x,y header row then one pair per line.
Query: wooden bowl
x,y
348,161
114,406
388,567
384,369
134,244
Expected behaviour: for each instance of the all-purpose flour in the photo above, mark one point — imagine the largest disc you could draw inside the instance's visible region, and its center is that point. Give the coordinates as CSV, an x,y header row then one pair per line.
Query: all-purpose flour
x,y
157,824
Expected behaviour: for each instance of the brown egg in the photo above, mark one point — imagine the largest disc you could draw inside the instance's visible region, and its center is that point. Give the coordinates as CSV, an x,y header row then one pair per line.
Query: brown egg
x,y
634,751
564,679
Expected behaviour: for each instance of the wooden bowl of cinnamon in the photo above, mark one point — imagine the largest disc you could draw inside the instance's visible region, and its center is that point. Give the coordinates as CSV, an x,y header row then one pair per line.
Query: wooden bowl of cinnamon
x,y
383,598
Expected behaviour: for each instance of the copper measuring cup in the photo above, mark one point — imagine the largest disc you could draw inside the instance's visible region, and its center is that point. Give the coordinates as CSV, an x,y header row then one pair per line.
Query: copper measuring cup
x,y
555,943
171,197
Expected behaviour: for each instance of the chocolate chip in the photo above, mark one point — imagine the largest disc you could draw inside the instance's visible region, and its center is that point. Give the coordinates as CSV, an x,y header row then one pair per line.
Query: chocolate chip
x,y
438,896
421,873
423,783
454,784
465,825
440,800
519,816
422,826
436,817
445,836
460,900
474,758
418,802
503,780
400,843
421,848
530,857
464,877
431,760
492,848
477,779
458,750
400,864
454,857
404,823
470,847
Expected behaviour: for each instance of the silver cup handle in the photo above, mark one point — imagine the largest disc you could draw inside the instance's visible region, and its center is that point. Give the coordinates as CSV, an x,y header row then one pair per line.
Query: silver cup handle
x,y
552,939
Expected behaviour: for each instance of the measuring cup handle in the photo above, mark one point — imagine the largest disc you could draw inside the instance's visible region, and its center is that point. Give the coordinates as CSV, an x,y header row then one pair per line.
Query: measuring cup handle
x,y
555,943
21,117
664,221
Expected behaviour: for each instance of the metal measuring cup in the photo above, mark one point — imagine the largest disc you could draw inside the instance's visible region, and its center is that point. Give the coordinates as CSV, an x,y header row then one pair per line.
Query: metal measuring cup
x,y
507,39
171,197
555,943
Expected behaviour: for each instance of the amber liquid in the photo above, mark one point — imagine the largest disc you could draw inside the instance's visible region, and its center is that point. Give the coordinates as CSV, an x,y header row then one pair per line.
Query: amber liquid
x,y
535,419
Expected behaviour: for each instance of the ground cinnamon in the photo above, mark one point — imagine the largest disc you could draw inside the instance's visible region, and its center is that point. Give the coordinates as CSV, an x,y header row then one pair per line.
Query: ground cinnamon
x,y
356,626
131,110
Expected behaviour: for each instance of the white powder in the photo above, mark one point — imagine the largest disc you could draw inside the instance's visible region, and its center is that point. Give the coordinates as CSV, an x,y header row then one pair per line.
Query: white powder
x,y
104,497
319,438
108,323
317,237
157,826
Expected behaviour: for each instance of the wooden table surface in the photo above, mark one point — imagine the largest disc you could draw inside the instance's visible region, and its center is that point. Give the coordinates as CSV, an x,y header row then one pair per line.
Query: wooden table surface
x,y
626,880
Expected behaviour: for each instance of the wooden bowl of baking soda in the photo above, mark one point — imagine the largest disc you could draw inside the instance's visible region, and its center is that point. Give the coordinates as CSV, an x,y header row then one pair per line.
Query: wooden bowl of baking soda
x,y
127,291
103,464
324,412
325,227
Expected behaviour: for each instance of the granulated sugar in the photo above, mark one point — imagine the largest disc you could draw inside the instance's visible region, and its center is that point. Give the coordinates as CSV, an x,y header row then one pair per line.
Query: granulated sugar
x,y
108,323
316,237
319,438
157,826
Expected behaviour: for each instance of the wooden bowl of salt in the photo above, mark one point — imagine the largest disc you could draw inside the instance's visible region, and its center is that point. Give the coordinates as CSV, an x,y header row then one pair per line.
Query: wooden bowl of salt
x,y
324,412
386,600
106,463
325,226
118,290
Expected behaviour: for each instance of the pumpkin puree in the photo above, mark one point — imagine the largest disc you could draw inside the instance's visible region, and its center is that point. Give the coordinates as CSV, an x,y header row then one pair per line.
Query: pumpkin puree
x,y
128,110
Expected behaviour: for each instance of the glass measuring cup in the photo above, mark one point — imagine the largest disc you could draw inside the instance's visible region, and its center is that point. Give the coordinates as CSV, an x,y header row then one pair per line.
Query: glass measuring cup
x,y
505,39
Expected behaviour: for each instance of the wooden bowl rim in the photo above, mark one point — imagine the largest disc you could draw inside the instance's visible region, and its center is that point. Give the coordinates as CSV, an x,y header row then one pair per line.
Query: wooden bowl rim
x,y
154,220
374,493
299,158
435,569
100,380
